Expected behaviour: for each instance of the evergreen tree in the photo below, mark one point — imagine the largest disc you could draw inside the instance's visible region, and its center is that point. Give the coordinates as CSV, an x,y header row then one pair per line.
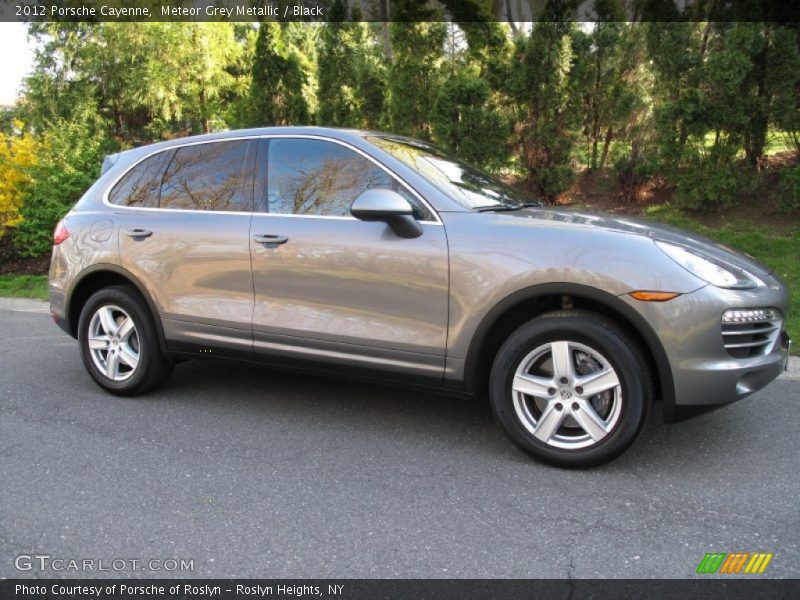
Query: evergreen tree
x,y
783,77
213,49
414,75
417,41
346,74
276,89
546,91
466,123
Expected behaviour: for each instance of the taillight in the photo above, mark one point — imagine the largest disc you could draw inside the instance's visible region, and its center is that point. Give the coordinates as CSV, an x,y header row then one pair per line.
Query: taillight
x,y
60,234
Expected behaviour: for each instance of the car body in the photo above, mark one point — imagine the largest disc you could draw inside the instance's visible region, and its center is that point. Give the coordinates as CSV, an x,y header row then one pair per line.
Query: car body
x,y
424,285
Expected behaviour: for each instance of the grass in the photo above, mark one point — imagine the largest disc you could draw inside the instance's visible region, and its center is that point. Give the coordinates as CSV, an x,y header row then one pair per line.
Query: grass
x,y
24,286
778,251
777,141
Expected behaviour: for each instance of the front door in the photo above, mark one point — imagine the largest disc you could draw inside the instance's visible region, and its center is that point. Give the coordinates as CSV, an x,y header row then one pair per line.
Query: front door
x,y
330,287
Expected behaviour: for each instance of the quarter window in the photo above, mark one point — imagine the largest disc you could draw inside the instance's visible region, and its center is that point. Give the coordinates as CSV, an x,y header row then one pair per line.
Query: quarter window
x,y
207,177
136,186
319,178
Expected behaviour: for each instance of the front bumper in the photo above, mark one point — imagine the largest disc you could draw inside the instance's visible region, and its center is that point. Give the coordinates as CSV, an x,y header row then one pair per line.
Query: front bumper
x,y
715,383
705,376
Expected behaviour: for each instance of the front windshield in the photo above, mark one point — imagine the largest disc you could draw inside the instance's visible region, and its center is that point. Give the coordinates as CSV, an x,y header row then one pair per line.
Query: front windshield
x,y
470,187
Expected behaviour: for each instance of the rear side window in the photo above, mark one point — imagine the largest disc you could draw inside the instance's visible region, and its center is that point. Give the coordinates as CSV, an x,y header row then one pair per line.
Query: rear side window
x,y
319,178
207,177
136,188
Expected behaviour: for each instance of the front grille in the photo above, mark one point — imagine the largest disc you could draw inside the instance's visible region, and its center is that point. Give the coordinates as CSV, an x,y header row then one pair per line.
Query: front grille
x,y
753,338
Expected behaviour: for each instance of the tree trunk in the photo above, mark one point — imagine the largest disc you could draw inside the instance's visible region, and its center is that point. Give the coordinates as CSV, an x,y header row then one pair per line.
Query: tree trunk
x,y
509,16
704,43
593,160
383,12
203,110
117,122
598,65
757,134
682,136
606,147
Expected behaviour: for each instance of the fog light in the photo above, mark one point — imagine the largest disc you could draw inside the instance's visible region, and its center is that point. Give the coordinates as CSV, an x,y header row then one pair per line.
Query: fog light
x,y
750,315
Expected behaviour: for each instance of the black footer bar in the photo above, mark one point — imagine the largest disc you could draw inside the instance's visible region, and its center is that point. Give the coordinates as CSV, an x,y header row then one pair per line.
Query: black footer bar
x,y
397,589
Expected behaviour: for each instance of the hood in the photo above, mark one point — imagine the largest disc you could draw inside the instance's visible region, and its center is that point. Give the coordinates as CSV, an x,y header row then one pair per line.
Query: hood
x,y
643,227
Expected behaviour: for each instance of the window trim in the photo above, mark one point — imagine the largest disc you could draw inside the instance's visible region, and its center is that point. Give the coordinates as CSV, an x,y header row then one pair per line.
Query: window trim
x,y
176,147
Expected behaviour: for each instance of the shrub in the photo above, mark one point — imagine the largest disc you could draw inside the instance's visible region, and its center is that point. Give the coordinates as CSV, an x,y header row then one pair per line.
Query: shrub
x,y
69,161
633,175
789,190
711,184
465,122
552,181
17,155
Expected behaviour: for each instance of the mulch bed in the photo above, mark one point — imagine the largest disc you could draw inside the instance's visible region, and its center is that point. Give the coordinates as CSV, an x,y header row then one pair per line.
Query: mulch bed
x,y
13,264
26,266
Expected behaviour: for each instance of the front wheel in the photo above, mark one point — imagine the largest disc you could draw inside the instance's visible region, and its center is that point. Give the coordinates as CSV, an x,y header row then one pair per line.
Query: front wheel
x,y
571,389
119,342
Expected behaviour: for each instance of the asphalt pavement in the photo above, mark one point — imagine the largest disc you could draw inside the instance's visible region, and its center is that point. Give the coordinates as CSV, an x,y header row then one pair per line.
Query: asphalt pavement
x,y
249,472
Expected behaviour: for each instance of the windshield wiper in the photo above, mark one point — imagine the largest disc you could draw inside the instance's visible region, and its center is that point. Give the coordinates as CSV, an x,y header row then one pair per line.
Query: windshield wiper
x,y
506,208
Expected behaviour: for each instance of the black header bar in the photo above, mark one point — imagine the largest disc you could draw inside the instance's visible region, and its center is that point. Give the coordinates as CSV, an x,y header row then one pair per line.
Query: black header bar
x,y
465,11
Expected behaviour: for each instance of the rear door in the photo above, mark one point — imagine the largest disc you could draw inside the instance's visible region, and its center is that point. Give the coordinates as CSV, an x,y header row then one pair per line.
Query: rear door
x,y
191,246
335,288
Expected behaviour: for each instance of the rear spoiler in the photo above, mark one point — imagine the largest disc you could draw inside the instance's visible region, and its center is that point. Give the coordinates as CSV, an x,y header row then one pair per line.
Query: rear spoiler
x,y
108,162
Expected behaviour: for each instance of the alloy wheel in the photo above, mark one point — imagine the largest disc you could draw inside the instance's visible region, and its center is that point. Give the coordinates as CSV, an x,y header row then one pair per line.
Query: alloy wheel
x,y
114,343
567,395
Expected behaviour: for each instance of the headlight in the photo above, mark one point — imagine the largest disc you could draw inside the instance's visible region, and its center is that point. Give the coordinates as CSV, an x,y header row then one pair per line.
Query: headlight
x,y
708,269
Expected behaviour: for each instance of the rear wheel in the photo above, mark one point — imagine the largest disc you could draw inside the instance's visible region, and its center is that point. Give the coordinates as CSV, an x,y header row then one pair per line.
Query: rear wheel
x,y
570,389
119,342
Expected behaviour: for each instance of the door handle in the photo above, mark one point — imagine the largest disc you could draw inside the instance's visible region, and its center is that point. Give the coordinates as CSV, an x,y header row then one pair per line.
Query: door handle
x,y
271,241
138,233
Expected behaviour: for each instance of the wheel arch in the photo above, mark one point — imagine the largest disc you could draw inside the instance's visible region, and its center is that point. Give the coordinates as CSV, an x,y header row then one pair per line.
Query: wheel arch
x,y
97,277
523,305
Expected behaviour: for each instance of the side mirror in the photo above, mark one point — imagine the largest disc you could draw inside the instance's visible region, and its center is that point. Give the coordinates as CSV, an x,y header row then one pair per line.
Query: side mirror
x,y
391,208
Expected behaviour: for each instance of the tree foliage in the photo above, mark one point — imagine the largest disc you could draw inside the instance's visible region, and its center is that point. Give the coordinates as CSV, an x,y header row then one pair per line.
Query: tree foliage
x,y
546,90
277,87
414,76
18,154
350,75
465,122
671,97
68,161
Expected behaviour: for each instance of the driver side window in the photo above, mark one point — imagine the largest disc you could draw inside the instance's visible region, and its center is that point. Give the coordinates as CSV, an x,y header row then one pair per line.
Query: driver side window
x,y
320,178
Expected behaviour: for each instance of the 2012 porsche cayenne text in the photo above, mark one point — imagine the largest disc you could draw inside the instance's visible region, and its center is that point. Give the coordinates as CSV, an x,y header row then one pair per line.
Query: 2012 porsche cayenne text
x,y
375,255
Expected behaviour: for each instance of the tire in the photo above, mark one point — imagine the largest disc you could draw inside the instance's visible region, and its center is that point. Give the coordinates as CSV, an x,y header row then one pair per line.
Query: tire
x,y
560,421
108,310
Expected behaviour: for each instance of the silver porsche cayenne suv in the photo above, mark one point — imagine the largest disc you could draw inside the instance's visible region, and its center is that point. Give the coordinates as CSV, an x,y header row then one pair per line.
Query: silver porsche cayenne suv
x,y
372,255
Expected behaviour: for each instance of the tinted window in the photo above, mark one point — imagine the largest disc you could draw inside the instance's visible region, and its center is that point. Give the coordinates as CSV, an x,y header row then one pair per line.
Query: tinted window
x,y
314,177
136,187
207,177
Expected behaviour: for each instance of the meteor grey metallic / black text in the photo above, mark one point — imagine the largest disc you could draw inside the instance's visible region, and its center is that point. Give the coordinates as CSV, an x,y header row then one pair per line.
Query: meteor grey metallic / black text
x,y
344,251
